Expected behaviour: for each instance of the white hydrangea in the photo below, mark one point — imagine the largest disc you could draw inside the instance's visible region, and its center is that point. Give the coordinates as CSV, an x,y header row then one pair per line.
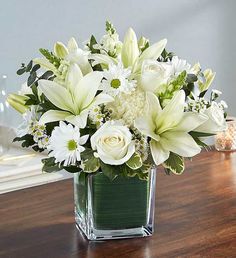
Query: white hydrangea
x,y
127,107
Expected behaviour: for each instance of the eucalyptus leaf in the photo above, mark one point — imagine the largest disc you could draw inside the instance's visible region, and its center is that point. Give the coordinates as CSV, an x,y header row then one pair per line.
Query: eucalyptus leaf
x,y
21,71
31,78
29,66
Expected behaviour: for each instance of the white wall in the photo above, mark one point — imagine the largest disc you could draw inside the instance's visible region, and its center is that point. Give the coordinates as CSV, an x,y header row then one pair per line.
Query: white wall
x,y
198,30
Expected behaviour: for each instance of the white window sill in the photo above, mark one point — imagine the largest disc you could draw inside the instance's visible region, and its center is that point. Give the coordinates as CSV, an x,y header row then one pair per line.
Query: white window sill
x,y
21,169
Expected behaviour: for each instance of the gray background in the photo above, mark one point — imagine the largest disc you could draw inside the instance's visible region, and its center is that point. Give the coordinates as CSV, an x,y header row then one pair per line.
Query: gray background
x,y
197,30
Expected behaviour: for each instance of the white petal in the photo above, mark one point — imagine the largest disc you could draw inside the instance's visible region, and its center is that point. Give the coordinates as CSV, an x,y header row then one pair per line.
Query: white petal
x,y
111,161
87,89
190,121
53,115
72,45
130,50
102,99
152,52
172,113
74,75
154,107
146,127
45,64
57,94
102,59
159,154
180,143
83,139
79,120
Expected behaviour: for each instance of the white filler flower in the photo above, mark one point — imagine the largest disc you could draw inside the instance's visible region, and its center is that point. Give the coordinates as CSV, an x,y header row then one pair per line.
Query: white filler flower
x,y
65,144
113,143
116,80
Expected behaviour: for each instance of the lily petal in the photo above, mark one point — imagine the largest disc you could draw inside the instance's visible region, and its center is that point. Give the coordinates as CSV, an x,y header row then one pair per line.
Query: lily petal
x,y
79,120
190,121
73,77
152,52
53,115
130,50
102,59
45,64
154,108
146,126
87,89
159,154
57,94
72,45
102,99
172,113
180,143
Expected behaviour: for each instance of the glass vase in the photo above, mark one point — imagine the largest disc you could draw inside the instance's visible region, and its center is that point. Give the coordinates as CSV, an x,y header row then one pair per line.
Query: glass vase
x,y
113,209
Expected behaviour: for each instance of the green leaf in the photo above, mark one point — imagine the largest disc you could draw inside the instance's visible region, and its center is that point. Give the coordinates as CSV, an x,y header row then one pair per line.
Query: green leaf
x,y
174,163
35,68
135,161
31,78
46,75
72,169
21,71
27,140
91,44
29,66
90,165
49,165
109,170
200,134
191,78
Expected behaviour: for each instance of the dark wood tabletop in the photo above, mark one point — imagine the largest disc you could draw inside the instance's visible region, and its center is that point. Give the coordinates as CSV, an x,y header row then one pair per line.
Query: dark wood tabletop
x,y
195,217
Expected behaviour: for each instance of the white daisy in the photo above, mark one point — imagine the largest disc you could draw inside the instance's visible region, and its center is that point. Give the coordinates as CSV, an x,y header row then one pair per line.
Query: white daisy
x,y
65,144
117,80
179,65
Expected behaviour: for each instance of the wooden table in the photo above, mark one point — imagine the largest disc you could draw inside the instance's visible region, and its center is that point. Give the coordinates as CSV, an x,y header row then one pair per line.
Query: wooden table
x,y
195,217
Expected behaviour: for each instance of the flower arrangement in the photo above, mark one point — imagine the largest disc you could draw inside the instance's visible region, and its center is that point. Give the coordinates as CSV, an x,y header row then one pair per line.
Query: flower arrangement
x,y
116,107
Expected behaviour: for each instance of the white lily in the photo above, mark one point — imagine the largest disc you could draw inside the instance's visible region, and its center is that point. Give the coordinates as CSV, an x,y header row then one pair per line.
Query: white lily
x,y
76,99
130,54
168,128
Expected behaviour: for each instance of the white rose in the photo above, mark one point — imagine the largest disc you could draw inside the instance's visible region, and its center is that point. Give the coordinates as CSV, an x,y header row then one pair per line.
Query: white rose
x,y
154,74
216,121
113,143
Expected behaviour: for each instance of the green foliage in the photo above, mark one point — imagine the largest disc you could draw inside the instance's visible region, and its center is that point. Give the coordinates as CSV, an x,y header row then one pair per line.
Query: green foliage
x,y
110,28
174,163
135,162
49,165
50,57
91,44
110,171
173,86
89,163
165,56
197,135
27,140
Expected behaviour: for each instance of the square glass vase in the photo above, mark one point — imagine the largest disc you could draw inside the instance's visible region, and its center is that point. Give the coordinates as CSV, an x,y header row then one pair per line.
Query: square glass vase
x,y
114,209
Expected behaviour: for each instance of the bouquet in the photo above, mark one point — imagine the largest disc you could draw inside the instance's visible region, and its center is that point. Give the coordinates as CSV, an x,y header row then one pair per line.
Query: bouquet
x,y
116,107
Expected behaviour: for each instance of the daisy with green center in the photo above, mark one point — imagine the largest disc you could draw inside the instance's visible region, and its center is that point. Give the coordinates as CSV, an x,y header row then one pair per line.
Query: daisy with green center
x,y
66,144
117,80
